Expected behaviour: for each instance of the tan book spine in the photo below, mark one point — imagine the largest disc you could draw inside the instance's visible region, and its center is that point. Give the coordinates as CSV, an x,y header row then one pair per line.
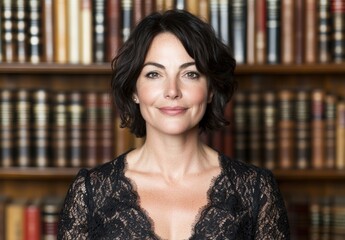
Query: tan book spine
x,y
330,135
193,6
60,31
340,131
204,10
310,31
260,32
86,42
287,29
73,32
250,31
47,31
14,223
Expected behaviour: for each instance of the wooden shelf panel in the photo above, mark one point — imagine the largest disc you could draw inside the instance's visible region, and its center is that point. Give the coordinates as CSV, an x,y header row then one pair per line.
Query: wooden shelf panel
x,y
38,173
54,68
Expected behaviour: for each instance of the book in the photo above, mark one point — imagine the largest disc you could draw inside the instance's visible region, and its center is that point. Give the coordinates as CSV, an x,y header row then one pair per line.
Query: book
x,y
214,17
286,126
3,203
51,207
86,39
224,16
47,31
303,129
114,28
149,6
127,20
21,28
317,129
34,31
15,221
330,130
228,131
32,220
240,126
273,31
91,122
287,31
192,6
23,135
6,128
338,20
260,32
41,128
60,31
310,32
255,126
299,30
204,10
250,58
73,31
8,29
340,135
138,10
237,23
324,31
75,130
98,31
59,130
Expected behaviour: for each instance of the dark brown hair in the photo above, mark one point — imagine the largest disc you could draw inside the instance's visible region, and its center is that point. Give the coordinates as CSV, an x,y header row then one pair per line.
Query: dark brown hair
x,y
212,58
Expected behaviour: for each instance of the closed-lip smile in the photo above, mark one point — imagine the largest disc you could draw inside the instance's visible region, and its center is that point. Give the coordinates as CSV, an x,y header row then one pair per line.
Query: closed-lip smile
x,y
172,110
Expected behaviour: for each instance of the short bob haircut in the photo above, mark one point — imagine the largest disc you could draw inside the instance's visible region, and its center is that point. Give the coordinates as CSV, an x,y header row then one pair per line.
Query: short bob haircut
x,y
212,58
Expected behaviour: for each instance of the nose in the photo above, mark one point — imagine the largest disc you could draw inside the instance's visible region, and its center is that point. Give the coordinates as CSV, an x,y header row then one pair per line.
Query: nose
x,y
172,90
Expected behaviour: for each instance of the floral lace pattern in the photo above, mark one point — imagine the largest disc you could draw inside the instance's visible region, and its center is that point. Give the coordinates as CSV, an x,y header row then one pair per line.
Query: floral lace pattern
x,y
244,203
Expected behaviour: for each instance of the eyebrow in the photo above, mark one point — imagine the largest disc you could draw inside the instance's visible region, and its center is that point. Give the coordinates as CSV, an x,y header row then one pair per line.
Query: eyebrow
x,y
185,65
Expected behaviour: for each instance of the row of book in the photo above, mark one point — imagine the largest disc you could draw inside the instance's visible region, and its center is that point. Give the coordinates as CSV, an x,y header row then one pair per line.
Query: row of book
x,y
289,129
27,219
45,128
72,31
319,217
282,31
259,31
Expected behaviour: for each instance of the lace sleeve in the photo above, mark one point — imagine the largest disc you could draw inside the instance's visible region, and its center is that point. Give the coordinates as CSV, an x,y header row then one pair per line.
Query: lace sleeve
x,y
272,221
73,223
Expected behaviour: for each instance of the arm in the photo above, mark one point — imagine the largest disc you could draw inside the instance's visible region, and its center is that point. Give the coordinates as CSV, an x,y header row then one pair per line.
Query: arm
x,y
272,220
73,223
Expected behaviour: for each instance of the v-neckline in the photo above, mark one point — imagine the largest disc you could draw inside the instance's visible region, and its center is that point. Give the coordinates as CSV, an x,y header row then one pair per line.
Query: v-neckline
x,y
203,209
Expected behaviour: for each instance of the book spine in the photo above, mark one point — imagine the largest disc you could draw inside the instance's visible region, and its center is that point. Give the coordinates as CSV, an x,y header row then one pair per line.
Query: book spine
x,y
47,31
149,6
6,128
240,128
34,31
224,21
273,31
324,31
255,124
193,6
204,10
269,130
138,10
338,19
238,30
86,40
73,31
76,112
59,131
21,35
250,32
214,16
8,31
171,4
114,27
286,127
287,40
91,128
106,147
99,31
260,31
330,130
229,130
303,131
50,218
127,14
340,131
60,31
310,32
41,113
299,31
3,204
23,128
32,221
317,129
14,228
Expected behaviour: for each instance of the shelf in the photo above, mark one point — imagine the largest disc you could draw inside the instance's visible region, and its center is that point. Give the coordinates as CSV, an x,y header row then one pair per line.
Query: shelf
x,y
54,68
317,175
288,69
28,173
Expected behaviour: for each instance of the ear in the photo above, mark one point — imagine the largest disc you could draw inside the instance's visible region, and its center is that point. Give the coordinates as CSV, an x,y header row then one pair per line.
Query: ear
x,y
135,98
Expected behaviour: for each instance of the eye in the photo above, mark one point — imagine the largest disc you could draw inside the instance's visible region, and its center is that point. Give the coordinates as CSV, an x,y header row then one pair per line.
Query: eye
x,y
192,75
152,75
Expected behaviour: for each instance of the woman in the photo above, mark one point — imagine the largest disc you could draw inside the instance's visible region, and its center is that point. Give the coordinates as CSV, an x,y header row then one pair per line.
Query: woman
x,y
171,81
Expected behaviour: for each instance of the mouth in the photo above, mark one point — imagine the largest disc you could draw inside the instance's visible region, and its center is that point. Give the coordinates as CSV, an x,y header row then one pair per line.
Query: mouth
x,y
172,111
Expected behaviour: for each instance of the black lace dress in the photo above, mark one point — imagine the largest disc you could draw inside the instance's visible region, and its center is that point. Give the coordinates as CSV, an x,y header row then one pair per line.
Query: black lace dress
x,y
244,203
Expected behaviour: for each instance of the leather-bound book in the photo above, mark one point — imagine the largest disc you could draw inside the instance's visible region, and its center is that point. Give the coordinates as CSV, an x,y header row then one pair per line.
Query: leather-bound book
x,y
98,31
287,31
338,20
34,31
260,32
91,122
310,31
8,29
324,26
60,31
114,28
273,31
299,29
86,39
73,31
47,31
330,130
237,23
240,126
6,128
340,137
127,18
20,33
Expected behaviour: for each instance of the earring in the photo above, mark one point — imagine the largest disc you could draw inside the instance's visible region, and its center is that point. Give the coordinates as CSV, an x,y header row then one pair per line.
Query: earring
x,y
135,100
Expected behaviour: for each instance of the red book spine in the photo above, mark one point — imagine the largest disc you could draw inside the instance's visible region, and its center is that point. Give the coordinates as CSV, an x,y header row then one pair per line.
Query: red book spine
x,y
32,222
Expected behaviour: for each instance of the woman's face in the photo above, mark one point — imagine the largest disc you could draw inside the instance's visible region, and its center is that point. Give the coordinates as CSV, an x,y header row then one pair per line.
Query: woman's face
x,y
171,92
